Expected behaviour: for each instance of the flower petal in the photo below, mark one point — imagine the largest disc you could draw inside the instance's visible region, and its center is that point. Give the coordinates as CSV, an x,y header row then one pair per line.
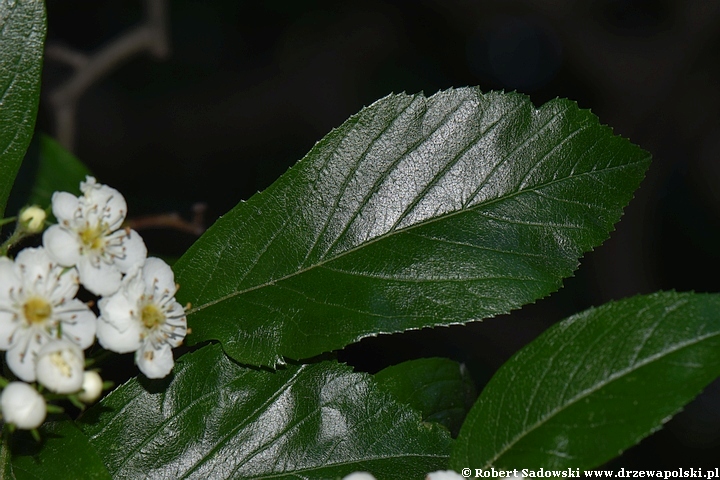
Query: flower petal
x,y
114,340
100,279
62,245
64,206
21,358
34,263
9,280
110,202
66,284
79,323
118,310
134,252
9,322
154,363
158,273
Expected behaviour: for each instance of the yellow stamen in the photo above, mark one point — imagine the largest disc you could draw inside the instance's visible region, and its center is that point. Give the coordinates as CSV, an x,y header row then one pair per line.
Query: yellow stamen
x,y
56,358
37,310
152,316
92,237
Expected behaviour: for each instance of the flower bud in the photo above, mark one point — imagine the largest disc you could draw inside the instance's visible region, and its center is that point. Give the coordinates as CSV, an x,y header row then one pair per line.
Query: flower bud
x,y
22,406
444,475
92,387
60,366
359,476
32,219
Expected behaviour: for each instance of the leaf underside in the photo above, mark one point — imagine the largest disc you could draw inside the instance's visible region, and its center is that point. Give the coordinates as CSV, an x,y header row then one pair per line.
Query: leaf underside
x,y
216,419
415,212
22,33
594,384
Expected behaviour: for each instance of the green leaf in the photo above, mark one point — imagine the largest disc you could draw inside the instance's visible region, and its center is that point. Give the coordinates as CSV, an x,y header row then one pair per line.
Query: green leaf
x,y
58,171
216,419
594,384
6,471
22,33
64,453
415,212
440,388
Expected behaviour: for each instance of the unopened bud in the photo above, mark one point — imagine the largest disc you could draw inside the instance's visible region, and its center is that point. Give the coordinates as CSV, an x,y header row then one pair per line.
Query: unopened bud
x,y
32,219
22,406
92,387
359,476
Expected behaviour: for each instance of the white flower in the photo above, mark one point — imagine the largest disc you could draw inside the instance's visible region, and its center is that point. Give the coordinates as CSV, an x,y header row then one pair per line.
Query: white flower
x,y
88,236
37,305
60,366
22,406
33,219
92,387
444,475
144,317
359,476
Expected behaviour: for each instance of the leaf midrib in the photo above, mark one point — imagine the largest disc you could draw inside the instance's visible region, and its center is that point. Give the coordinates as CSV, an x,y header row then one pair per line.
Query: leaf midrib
x,y
406,229
595,388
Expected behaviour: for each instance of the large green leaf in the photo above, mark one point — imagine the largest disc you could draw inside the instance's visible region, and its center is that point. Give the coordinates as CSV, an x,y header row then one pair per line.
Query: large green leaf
x,y
58,171
22,33
216,419
6,471
415,212
63,453
439,388
594,384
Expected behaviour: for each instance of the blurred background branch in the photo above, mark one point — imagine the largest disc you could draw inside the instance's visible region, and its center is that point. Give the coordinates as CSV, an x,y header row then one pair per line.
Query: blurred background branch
x,y
151,36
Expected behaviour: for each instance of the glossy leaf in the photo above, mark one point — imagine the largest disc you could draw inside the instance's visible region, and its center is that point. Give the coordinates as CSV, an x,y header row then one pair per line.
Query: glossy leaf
x,y
64,453
22,33
216,419
415,212
440,388
594,384
58,171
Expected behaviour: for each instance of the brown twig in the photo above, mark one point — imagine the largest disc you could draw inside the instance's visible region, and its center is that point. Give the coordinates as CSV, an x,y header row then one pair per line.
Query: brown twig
x,y
172,220
151,35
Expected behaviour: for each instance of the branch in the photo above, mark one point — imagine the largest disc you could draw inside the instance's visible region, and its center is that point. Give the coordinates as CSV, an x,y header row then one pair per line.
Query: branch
x,y
151,35
172,221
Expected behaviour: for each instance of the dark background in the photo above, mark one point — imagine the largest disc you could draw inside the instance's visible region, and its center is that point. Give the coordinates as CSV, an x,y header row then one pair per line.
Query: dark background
x,y
249,87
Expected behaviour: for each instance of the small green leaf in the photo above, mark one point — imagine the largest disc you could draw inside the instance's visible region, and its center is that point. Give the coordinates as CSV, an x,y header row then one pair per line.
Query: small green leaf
x,y
63,453
216,419
440,388
594,384
58,171
415,212
22,33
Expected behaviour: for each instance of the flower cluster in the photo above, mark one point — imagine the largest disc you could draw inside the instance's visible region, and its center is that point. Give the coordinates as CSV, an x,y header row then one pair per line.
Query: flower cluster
x,y
44,328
